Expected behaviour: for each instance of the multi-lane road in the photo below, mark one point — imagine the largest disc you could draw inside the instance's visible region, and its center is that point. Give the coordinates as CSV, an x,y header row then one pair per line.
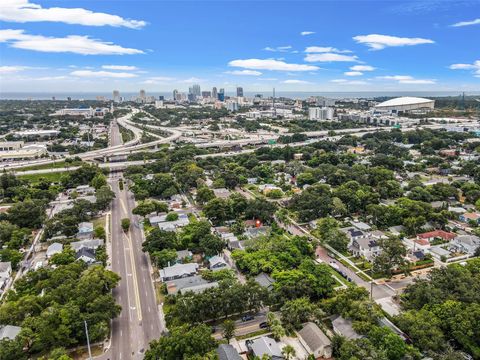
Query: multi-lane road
x,y
140,320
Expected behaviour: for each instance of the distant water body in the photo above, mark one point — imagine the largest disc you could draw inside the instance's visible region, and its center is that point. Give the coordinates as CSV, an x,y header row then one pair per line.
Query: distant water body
x,y
292,95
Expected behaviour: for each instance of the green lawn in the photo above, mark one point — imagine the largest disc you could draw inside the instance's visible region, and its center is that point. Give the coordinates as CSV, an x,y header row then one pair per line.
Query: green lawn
x,y
35,178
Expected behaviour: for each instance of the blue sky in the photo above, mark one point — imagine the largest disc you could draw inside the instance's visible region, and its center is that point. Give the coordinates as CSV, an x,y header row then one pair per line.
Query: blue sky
x,y
96,46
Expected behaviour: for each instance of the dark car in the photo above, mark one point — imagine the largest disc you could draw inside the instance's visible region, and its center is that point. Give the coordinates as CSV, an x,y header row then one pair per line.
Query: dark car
x,y
263,325
247,317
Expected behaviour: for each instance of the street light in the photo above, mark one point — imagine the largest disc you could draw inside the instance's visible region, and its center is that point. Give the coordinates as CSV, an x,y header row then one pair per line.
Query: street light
x,y
88,341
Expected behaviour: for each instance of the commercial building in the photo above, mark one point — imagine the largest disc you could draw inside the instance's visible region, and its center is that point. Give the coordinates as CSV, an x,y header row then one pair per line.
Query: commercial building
x,y
214,93
27,152
239,91
324,113
406,104
232,106
11,145
116,96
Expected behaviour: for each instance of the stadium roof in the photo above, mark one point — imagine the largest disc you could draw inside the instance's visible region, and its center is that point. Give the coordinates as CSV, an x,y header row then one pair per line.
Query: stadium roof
x,y
407,100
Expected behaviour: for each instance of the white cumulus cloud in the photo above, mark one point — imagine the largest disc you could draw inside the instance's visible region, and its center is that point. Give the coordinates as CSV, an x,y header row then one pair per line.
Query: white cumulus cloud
x,y
467,23
72,43
23,11
305,33
407,79
475,66
349,82
102,74
271,64
325,49
11,69
244,72
353,73
378,42
362,68
330,57
294,81
278,48
119,67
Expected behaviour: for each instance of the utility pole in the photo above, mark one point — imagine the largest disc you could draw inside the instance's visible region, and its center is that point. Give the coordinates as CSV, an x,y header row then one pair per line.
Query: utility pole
x,y
88,341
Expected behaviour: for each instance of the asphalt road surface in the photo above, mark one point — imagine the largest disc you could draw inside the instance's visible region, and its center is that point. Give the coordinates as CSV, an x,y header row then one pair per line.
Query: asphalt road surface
x,y
139,322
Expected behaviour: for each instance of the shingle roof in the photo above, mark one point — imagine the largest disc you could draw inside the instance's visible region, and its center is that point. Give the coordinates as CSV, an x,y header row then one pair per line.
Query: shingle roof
x,y
9,332
227,352
314,337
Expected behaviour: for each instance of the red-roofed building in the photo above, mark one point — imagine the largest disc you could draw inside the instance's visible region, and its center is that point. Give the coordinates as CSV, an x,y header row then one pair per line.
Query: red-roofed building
x,y
437,234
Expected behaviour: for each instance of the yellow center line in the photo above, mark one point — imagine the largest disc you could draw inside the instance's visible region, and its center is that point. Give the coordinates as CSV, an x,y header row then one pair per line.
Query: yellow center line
x,y
134,270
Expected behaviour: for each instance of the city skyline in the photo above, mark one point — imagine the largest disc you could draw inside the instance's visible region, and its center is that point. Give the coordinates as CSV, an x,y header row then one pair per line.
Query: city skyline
x,y
53,46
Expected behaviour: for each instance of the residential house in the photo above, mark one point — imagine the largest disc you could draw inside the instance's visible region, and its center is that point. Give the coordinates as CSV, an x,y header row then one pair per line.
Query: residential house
x,y
9,332
315,341
265,346
221,193
436,234
5,269
470,216
217,263
178,271
86,255
344,328
183,255
264,280
361,226
466,244
85,230
55,248
92,244
85,190
195,284
227,352
367,247
252,180
252,233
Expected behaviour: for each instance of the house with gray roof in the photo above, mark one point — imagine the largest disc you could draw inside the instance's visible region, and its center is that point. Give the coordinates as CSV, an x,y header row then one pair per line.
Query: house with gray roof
x,y
9,332
344,328
86,255
315,341
195,283
92,244
178,271
265,346
55,248
5,269
217,263
466,244
85,230
227,352
264,280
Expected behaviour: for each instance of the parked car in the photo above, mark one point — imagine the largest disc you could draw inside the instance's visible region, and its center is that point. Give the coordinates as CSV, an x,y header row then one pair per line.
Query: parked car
x,y
247,317
263,325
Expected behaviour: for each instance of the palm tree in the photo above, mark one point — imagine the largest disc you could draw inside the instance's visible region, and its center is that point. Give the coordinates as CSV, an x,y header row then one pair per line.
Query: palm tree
x,y
289,352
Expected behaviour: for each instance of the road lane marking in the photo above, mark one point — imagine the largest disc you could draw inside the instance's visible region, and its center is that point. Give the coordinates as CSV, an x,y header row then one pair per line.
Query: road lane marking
x,y
135,281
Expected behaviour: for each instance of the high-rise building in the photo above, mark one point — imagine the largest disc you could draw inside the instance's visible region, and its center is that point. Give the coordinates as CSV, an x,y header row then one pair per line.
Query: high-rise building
x,y
195,90
232,105
206,94
161,97
116,96
239,91
214,93
221,94
143,95
175,94
324,113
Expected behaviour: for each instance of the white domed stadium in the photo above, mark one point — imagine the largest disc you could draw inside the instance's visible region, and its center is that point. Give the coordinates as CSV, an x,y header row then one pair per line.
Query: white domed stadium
x,y
407,103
